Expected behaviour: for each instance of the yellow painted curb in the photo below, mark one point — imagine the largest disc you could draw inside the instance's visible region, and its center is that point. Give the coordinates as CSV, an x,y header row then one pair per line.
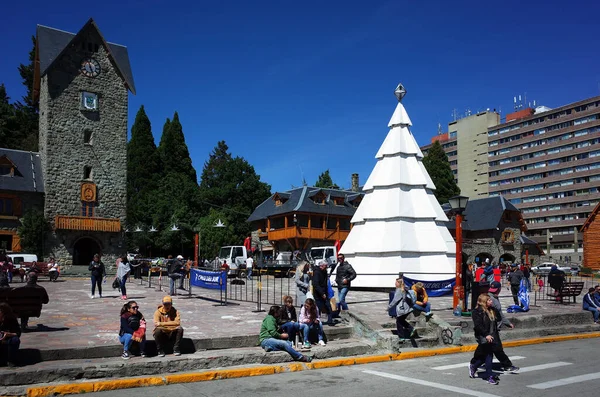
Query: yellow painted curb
x,y
88,387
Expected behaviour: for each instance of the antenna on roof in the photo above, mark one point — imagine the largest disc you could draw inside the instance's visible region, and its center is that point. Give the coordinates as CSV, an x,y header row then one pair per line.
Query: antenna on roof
x,y
439,128
515,103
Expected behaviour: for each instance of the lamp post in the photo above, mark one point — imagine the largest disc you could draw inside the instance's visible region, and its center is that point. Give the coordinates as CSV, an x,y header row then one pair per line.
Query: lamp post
x,y
458,205
197,240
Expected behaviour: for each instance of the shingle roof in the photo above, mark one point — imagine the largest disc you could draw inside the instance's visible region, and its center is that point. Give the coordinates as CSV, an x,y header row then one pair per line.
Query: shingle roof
x,y
299,200
484,213
28,172
51,42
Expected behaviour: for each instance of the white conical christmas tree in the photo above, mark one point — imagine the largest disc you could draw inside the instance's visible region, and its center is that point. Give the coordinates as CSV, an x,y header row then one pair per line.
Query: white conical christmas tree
x,y
398,226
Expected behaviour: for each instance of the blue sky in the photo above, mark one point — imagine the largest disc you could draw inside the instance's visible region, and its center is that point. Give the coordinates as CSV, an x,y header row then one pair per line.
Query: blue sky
x,y
300,87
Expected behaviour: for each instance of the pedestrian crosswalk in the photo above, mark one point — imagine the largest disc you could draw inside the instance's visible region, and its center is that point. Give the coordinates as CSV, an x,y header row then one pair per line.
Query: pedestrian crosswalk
x,y
528,374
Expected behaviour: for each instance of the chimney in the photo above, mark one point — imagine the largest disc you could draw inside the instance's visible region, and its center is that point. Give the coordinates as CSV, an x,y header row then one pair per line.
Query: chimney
x,y
354,182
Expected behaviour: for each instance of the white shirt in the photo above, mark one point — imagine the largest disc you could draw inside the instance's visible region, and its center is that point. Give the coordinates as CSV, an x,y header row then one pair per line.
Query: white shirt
x,y
249,263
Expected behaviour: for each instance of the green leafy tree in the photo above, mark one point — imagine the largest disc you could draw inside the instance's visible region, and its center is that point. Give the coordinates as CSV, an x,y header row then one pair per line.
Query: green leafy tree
x,y
230,184
325,181
33,231
437,165
213,238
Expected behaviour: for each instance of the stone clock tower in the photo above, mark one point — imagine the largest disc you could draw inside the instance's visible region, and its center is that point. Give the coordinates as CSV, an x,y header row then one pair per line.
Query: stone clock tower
x,y
82,83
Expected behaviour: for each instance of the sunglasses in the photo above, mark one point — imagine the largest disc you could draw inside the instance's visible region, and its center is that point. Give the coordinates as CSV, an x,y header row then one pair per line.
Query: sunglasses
x,y
135,307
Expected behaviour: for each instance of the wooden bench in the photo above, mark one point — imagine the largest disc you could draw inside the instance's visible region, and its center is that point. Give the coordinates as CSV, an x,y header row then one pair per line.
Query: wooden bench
x,y
24,301
568,290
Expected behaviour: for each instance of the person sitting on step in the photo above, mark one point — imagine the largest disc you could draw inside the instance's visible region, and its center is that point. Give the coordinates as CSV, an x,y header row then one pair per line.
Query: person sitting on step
x,y
422,304
310,317
271,340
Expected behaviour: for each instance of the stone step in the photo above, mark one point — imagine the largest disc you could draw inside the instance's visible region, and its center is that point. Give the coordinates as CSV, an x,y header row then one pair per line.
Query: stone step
x,y
116,367
32,356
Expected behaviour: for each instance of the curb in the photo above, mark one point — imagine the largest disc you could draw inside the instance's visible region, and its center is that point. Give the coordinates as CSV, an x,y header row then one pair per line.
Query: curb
x,y
98,386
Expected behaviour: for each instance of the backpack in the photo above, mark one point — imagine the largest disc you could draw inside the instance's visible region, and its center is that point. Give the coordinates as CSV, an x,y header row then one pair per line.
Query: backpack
x,y
174,267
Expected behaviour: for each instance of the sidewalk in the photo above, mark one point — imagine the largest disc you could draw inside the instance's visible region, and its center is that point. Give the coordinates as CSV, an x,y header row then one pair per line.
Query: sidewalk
x,y
74,321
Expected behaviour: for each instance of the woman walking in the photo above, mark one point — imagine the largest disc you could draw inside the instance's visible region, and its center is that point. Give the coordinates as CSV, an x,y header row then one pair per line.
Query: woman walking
x,y
486,334
133,329
403,301
123,270
98,272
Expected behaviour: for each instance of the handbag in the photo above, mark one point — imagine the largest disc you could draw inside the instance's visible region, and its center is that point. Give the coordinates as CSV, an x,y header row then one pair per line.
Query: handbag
x,y
116,283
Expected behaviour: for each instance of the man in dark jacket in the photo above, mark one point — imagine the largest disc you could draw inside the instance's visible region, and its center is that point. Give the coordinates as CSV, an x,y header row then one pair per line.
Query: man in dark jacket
x,y
175,271
319,281
345,274
556,279
32,289
514,278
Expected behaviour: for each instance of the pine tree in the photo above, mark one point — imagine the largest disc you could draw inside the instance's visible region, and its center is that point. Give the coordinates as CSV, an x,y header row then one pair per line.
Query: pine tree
x,y
143,166
26,112
230,184
8,134
437,165
325,181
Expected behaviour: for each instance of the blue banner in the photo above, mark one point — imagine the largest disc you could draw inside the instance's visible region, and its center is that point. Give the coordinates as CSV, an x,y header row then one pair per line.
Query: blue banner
x,y
207,279
433,288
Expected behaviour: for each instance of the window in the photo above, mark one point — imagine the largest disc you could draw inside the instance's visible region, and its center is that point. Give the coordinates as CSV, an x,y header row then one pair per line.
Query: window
x,y
303,220
344,224
331,223
452,134
87,209
316,222
87,172
89,101
5,170
87,137
6,206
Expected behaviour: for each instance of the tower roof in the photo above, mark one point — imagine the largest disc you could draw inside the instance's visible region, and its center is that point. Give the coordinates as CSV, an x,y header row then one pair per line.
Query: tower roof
x,y
51,43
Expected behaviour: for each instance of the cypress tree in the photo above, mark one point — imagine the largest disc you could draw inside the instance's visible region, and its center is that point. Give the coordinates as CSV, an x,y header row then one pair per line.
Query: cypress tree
x,y
175,155
437,165
143,166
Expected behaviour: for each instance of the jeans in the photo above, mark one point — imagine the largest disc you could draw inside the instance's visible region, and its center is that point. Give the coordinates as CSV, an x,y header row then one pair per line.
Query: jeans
x,y
11,347
342,292
426,308
316,325
483,353
172,279
528,281
291,328
123,285
162,336
595,312
96,281
9,274
126,340
249,274
272,344
322,304
403,327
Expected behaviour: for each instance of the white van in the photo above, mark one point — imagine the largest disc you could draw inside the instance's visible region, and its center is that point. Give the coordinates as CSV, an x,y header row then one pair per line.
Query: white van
x,y
18,259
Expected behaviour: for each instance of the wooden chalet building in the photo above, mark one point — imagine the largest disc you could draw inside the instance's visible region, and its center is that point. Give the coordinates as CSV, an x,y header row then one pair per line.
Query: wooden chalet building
x,y
305,217
591,240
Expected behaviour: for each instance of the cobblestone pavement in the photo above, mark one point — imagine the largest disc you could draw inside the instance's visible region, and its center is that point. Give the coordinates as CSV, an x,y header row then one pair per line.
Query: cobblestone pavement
x,y
72,319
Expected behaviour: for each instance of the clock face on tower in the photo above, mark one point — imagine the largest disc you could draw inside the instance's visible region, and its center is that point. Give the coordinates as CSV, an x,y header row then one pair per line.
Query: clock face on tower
x,y
90,67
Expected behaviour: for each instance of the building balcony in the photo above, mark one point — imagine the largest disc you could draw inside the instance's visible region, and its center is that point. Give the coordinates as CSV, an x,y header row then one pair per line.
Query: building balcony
x,y
308,233
88,223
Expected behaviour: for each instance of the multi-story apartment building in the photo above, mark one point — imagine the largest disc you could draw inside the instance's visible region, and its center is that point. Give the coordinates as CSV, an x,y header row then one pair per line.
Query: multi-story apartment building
x,y
465,143
546,162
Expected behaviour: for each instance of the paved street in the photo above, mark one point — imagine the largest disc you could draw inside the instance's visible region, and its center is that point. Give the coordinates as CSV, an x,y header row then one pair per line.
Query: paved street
x,y
556,369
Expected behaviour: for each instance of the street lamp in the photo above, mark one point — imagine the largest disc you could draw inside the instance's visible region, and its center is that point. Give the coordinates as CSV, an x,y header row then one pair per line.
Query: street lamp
x,y
458,205
219,223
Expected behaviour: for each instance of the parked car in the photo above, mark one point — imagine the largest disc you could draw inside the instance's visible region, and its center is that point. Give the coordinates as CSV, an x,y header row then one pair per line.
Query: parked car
x,y
544,268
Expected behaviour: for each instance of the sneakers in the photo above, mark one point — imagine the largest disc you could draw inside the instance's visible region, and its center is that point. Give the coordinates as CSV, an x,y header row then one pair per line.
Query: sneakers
x,y
161,353
321,343
176,353
413,333
472,371
305,359
125,355
492,380
512,369
93,296
100,296
306,345
143,355
428,315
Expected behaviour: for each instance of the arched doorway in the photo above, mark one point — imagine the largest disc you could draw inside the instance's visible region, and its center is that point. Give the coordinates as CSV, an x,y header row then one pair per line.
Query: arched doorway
x,y
482,256
507,258
84,250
